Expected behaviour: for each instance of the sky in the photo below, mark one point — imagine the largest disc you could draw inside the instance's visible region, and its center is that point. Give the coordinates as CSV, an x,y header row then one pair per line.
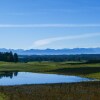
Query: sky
x,y
55,24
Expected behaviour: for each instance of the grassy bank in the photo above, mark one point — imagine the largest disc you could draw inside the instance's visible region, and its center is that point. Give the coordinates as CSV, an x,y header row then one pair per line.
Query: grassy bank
x,y
74,91
3,96
66,68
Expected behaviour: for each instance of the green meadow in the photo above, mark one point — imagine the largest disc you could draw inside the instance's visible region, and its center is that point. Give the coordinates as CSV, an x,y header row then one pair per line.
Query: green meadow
x,y
66,68
68,91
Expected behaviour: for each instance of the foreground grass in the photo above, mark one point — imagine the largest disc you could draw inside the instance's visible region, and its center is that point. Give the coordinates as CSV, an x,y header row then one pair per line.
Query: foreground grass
x,y
66,68
74,91
3,97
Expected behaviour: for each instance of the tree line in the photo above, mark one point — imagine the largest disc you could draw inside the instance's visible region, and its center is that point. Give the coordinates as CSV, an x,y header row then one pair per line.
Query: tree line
x,y
8,57
60,58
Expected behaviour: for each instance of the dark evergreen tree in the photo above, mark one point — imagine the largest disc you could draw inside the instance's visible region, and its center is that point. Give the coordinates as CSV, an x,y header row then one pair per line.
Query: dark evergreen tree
x,y
11,57
15,57
8,57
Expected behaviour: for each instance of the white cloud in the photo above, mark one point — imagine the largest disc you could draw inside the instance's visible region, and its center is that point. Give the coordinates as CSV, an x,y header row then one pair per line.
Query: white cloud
x,y
40,11
48,25
43,42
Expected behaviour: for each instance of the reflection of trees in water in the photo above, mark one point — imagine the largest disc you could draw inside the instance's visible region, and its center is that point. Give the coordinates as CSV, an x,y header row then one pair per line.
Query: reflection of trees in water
x,y
8,74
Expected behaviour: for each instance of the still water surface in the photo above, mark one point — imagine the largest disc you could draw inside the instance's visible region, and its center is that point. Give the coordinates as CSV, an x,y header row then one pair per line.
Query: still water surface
x,y
21,78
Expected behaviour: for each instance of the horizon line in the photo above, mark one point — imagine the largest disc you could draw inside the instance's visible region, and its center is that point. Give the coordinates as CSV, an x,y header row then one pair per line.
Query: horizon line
x,y
52,48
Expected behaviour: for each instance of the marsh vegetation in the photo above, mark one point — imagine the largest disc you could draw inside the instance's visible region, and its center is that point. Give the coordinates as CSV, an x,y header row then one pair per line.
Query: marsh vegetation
x,y
75,91
72,91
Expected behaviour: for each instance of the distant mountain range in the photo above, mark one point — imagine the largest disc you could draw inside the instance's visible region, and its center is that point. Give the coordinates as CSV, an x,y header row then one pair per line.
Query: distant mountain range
x,y
53,51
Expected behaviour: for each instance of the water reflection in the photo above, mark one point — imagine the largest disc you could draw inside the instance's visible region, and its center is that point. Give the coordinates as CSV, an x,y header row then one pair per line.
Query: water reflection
x,y
21,78
8,74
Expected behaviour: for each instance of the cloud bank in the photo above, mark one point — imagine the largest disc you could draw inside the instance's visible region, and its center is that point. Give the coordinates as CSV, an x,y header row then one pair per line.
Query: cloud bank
x,y
48,25
43,42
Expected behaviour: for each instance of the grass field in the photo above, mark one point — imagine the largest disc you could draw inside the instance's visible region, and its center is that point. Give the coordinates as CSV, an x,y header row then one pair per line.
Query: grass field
x,y
66,68
72,91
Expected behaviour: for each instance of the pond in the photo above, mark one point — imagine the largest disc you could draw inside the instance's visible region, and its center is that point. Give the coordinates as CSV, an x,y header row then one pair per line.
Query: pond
x,y
22,78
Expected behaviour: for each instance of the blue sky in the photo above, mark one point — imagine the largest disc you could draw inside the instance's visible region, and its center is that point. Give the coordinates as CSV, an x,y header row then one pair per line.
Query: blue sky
x,y
40,24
